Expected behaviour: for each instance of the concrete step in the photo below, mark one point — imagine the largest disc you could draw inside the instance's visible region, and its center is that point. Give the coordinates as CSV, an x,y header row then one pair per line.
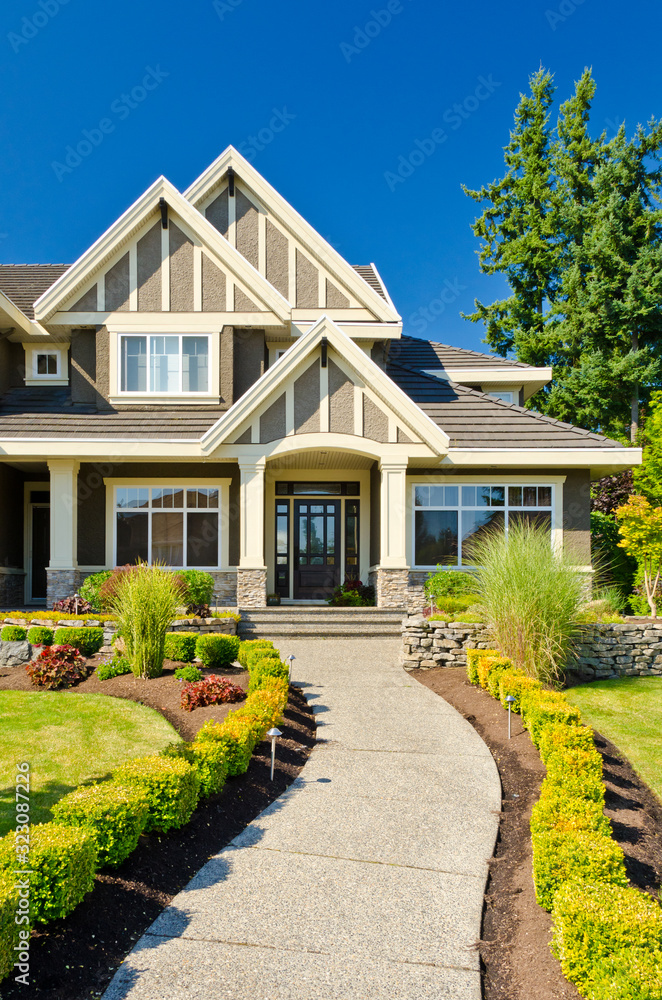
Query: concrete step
x,y
288,620
269,631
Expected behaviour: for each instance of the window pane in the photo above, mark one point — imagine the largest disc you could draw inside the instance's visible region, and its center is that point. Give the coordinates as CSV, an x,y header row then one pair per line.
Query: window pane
x,y
482,496
436,496
303,539
497,496
468,496
542,519
164,364
530,498
195,364
422,494
436,538
451,496
330,535
131,497
515,496
134,364
316,541
51,364
41,364
131,538
474,524
168,538
281,534
544,496
201,538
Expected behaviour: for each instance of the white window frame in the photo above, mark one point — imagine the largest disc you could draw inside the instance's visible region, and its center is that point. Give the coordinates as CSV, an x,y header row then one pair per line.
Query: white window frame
x,y
149,337
59,351
555,482
223,487
126,397
501,394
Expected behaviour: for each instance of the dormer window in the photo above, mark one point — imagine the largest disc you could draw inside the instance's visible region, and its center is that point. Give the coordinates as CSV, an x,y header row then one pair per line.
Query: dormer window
x,y
46,364
164,364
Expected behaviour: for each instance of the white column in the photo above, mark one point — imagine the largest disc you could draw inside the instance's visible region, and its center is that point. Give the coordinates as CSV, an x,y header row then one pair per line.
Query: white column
x,y
251,501
64,513
393,514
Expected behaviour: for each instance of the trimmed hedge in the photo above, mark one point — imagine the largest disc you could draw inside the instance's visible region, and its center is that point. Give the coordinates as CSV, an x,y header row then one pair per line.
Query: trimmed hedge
x,y
237,738
13,633
87,640
609,941
247,645
172,788
542,708
260,669
260,653
40,635
516,683
209,759
62,864
473,655
114,814
9,929
555,810
217,651
557,737
180,646
562,857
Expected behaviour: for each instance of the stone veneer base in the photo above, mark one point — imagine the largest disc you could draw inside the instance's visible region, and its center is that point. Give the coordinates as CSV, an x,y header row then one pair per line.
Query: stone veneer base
x,y
251,588
391,587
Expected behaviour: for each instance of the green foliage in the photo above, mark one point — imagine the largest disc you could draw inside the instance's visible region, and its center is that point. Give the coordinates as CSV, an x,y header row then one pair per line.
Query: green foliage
x,y
40,635
180,646
517,684
544,708
114,667
208,757
647,477
449,583
531,598
144,603
87,640
258,653
262,668
199,586
563,857
115,815
236,736
473,656
189,673
9,929
171,785
640,526
559,738
606,552
609,941
353,594
567,814
62,863
13,633
247,645
217,651
90,588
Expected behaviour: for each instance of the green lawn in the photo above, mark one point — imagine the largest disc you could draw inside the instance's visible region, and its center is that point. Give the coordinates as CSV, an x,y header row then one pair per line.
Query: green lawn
x,y
68,738
628,711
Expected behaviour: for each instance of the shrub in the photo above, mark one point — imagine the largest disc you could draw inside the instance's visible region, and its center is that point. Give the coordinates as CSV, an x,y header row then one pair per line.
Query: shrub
x,y
211,690
199,610
531,597
353,594
575,783
567,814
57,667
541,708
90,588
116,581
171,786
180,646
516,683
114,814
62,864
88,640
490,667
209,759
55,616
13,633
258,653
559,738
473,655
9,930
75,606
447,583
199,586
144,601
115,667
188,673
217,651
266,667
247,645
40,635
609,941
563,857
265,706
573,762
236,737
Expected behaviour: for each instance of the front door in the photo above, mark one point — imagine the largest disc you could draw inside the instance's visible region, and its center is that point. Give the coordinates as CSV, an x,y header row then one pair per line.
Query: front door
x,y
316,548
40,535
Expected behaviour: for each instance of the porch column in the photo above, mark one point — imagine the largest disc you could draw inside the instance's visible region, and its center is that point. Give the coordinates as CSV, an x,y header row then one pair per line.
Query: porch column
x,y
251,573
392,577
62,571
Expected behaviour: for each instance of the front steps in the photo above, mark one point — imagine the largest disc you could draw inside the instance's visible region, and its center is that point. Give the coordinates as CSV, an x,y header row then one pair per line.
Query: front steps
x,y
319,622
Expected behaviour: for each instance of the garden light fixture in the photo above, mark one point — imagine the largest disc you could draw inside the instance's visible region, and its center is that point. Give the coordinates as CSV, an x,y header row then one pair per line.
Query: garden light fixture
x,y
274,733
509,700
289,672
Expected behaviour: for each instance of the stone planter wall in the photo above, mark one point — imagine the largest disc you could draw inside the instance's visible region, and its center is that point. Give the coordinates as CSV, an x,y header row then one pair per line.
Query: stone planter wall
x,y
623,650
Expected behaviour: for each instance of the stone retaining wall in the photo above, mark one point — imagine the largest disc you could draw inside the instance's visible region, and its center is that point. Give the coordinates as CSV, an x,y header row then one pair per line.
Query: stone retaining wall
x,y
621,650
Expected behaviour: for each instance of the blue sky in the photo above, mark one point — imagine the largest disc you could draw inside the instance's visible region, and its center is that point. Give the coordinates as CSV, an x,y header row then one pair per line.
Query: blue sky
x,y
358,86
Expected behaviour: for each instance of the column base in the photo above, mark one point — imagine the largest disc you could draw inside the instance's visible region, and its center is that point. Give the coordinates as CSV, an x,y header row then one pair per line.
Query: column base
x,y
251,588
61,583
391,587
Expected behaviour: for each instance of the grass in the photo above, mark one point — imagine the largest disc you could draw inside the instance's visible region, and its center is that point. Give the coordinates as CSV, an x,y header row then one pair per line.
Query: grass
x,y
628,711
67,739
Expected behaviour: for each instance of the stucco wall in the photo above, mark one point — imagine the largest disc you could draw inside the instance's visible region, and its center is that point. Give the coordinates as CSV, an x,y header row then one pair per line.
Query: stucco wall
x,y
87,302
217,213
277,259
83,372
227,366
12,365
334,297
272,421
247,228
181,270
116,282
149,270
249,359
307,283
307,401
242,303
341,401
375,421
213,286
103,367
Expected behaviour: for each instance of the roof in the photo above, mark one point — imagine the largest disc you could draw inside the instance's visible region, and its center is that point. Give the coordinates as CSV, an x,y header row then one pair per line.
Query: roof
x,y
24,283
473,419
369,274
421,354
151,425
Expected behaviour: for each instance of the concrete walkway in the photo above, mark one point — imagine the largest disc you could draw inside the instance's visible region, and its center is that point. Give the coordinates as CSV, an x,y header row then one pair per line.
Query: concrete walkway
x,y
365,880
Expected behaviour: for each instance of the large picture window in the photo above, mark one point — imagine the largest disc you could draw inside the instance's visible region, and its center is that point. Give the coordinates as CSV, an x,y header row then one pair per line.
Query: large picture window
x,y
448,518
164,364
174,525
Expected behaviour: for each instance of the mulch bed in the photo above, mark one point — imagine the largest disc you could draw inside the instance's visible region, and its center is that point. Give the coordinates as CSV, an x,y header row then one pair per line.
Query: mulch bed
x,y
77,957
517,963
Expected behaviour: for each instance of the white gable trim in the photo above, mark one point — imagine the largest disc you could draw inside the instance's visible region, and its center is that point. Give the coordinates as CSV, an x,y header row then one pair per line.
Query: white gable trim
x,y
274,378
300,230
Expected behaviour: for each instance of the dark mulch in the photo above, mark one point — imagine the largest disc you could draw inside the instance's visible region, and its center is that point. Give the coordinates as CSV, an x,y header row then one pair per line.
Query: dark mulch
x,y
516,958
75,958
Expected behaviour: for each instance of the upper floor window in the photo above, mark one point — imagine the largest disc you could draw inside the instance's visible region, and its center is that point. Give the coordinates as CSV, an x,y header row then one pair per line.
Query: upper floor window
x,y
507,397
164,364
46,364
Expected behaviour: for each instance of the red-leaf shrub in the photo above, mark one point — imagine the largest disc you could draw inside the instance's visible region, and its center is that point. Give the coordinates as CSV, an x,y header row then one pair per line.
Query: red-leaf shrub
x,y
210,691
73,606
58,667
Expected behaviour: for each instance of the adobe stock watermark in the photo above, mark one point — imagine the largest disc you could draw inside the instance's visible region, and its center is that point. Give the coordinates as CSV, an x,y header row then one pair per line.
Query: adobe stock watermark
x,y
31,26
379,19
564,10
450,292
22,873
224,7
254,144
121,108
454,117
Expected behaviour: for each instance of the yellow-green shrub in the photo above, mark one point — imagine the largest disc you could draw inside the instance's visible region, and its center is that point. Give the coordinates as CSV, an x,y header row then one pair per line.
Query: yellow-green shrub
x,y
555,810
209,759
9,929
473,655
63,860
562,857
263,667
180,646
115,815
544,708
237,738
259,653
609,941
575,764
88,641
493,671
516,683
217,650
172,788
560,737
250,644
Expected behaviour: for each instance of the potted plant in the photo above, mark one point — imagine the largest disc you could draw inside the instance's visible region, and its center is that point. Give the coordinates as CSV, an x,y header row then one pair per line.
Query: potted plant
x,y
273,600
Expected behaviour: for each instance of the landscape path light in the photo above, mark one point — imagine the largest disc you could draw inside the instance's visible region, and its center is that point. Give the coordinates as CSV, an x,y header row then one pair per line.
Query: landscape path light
x,y
289,669
509,700
274,733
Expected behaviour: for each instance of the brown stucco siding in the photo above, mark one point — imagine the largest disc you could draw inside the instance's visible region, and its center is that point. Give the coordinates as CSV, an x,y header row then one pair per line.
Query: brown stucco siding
x,y
12,365
375,513
103,366
116,283
226,366
375,421
242,303
181,271
246,437
87,302
334,297
11,517
277,259
272,421
217,213
83,372
577,515
247,228
403,438
307,401
341,401
307,283
249,359
149,270
213,286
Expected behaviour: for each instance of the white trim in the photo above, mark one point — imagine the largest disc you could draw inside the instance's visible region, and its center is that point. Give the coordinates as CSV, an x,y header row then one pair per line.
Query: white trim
x,y
324,400
165,269
197,277
133,277
132,395
59,351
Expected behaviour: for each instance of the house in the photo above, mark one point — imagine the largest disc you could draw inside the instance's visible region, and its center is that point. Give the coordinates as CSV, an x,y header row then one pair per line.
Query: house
x,y
212,385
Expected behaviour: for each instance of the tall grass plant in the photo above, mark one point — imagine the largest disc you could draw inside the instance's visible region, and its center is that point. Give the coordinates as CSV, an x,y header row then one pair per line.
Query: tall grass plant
x,y
144,604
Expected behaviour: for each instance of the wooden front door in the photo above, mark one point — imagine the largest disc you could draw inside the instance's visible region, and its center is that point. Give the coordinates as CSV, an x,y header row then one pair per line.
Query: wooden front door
x,y
316,548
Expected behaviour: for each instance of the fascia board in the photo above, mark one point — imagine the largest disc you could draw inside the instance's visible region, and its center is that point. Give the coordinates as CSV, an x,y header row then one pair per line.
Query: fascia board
x,y
502,373
288,216
617,458
15,317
